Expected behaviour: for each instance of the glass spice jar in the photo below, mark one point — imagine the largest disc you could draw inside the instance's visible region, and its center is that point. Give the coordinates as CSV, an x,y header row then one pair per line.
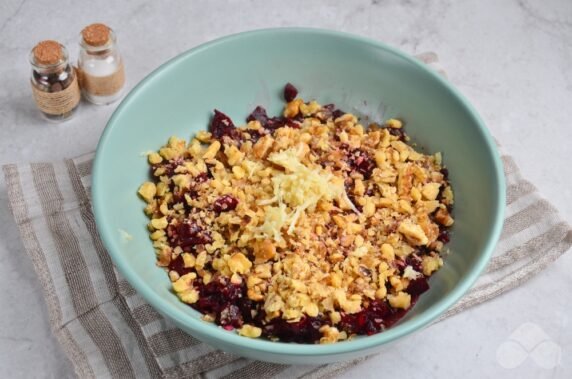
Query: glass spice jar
x,y
54,81
100,66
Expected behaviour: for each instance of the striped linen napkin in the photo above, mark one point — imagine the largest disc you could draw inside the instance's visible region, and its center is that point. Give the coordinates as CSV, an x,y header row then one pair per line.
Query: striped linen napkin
x,y
107,330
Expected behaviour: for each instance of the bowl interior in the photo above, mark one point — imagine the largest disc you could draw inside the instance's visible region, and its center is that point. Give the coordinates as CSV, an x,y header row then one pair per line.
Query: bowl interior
x,y
239,72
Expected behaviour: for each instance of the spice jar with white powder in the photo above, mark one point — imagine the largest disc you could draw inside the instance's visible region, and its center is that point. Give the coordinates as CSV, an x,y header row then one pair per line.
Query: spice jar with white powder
x,y
100,66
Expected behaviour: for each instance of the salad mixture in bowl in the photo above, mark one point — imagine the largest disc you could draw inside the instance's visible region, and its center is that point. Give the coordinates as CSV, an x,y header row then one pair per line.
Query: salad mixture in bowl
x,y
312,227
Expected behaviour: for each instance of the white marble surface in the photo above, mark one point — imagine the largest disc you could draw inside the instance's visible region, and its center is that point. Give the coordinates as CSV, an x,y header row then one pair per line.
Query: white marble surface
x,y
512,59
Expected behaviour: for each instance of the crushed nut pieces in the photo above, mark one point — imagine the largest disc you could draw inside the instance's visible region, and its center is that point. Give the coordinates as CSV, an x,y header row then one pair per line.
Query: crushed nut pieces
x,y
309,227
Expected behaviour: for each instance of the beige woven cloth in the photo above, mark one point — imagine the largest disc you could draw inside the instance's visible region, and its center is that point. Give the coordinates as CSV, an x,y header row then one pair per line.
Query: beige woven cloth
x,y
107,330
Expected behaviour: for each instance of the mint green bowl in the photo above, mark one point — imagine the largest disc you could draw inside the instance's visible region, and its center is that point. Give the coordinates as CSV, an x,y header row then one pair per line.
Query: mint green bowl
x,y
236,73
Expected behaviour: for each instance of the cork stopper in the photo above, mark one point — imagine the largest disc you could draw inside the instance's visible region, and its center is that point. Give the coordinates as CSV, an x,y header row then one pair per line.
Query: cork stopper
x,y
48,52
96,34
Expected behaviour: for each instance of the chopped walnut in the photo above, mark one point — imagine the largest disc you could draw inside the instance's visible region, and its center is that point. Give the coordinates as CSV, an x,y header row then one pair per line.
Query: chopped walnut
x,y
413,232
238,263
262,147
264,251
442,217
147,191
402,300
250,331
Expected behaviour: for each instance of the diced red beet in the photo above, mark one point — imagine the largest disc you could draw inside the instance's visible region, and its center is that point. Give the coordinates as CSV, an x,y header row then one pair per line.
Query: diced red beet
x,y
258,114
330,111
222,125
225,203
290,92
247,307
361,162
178,265
307,330
187,235
399,264
367,321
415,262
398,314
169,166
376,317
444,236
292,124
275,123
400,133
222,300
417,286
269,123
338,113
230,315
255,135
202,177
445,173
179,196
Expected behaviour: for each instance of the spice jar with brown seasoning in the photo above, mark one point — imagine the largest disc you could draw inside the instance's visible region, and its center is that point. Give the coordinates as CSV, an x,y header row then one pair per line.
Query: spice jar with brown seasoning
x,y
54,81
101,71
